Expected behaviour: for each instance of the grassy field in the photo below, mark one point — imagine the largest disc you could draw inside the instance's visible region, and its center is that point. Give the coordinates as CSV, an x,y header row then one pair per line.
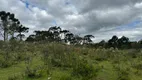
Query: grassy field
x,y
53,61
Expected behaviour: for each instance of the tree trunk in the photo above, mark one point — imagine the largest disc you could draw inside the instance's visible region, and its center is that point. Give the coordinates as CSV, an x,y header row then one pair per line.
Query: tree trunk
x,y
5,31
13,35
5,35
20,36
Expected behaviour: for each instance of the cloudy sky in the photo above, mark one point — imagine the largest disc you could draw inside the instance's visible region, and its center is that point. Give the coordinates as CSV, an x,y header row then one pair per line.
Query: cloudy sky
x,y
101,18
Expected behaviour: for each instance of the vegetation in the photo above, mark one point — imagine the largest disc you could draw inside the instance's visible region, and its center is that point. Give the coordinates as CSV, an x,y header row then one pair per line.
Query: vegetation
x,y
54,61
45,55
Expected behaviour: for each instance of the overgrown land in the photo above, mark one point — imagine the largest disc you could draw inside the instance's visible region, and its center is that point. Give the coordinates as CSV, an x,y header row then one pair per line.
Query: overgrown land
x,y
57,54
54,61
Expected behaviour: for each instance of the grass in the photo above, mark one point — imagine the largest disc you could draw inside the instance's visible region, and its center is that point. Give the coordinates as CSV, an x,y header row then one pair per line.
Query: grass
x,y
53,61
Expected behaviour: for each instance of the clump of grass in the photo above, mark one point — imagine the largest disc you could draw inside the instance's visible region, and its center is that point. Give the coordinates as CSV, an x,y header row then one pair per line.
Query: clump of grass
x,y
137,66
66,77
123,73
15,77
37,72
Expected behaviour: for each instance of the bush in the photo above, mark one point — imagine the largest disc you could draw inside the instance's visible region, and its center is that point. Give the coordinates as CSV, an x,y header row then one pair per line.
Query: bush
x,y
14,77
57,56
137,66
6,60
35,72
123,74
85,70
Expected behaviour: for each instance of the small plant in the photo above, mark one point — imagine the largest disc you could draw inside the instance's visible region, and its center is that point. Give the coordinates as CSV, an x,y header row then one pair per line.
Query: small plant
x,y
35,72
123,75
14,77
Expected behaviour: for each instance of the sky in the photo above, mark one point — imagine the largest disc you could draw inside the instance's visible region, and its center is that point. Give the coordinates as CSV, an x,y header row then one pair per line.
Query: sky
x,y
101,18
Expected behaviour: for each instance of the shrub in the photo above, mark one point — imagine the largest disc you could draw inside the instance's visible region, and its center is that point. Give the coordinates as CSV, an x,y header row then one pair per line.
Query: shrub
x,y
123,74
6,60
57,56
85,70
14,77
35,72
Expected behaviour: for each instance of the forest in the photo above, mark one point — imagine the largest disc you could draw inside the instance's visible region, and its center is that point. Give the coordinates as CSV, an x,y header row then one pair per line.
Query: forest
x,y
58,54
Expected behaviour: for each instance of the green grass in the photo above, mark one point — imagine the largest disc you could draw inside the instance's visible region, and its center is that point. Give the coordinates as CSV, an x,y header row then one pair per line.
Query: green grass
x,y
11,71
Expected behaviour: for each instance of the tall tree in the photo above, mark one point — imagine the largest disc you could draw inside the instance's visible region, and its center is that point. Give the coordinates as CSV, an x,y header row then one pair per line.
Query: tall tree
x,y
44,35
13,28
102,43
21,29
78,39
63,34
56,32
123,42
113,42
69,37
87,39
7,23
31,38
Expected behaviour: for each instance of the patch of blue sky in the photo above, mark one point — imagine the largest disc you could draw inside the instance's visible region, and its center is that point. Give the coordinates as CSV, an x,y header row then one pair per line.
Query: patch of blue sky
x,y
67,2
131,25
27,5
54,22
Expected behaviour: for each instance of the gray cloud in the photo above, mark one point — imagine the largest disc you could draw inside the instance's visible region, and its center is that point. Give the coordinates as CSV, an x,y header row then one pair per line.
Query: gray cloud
x,y
89,5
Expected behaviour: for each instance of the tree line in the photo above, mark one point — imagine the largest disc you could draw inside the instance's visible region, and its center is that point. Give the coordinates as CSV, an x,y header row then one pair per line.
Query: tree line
x,y
12,29
120,43
56,34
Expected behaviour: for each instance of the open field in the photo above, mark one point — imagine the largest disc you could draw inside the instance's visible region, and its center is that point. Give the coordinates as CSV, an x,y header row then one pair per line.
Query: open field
x,y
53,61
